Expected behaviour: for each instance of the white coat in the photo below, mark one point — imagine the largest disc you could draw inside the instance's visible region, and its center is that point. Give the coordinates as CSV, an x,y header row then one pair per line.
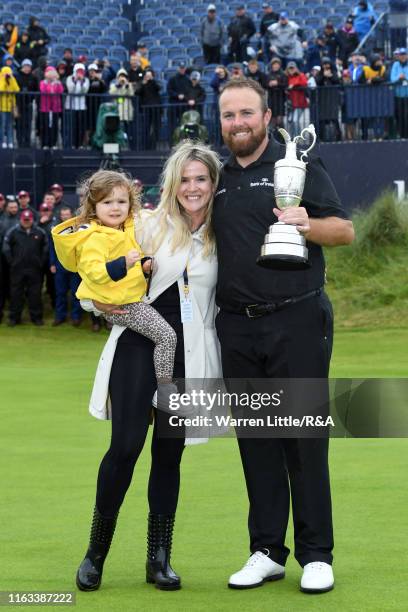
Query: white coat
x,y
201,346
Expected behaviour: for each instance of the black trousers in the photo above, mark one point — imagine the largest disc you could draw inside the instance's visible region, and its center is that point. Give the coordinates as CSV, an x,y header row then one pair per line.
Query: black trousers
x,y
132,385
48,129
25,282
212,55
292,343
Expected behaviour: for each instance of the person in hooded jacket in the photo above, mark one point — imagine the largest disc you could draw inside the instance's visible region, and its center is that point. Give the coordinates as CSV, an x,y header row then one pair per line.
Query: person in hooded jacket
x,y
23,48
39,39
8,88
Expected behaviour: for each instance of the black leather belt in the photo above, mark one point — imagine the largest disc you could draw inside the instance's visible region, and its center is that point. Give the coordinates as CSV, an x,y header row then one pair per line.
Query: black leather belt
x,y
253,311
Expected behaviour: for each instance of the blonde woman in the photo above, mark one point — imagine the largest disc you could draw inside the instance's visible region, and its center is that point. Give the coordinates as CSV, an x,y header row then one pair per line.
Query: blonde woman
x,y
182,290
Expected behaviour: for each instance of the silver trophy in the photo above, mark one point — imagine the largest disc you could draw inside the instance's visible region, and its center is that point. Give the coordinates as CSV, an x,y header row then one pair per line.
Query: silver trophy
x,y
284,247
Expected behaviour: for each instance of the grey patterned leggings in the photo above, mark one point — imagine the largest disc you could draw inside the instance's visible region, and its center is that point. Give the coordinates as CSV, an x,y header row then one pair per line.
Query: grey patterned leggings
x,y
145,320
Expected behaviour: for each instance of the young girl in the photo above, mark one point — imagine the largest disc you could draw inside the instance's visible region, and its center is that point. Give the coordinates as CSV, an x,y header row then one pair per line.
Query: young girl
x,y
100,245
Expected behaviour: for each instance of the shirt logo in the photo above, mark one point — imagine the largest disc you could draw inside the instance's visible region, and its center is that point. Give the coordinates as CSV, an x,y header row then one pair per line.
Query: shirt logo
x,y
221,191
264,182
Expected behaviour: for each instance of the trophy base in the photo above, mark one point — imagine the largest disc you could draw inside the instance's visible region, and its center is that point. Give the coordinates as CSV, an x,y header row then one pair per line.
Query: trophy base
x,y
290,253
283,262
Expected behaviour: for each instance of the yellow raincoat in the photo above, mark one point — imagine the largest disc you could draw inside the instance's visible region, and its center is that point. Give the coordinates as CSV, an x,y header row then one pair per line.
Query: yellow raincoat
x,y
89,249
7,99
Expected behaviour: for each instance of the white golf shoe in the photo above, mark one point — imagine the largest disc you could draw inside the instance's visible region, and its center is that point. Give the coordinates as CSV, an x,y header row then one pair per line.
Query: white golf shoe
x,y
317,578
257,570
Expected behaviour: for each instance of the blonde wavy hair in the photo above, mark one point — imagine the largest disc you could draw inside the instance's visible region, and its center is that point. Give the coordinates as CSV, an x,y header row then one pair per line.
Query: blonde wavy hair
x,y
98,186
186,151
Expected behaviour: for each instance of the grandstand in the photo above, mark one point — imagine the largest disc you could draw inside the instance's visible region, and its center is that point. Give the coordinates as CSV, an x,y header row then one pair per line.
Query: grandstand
x,y
172,34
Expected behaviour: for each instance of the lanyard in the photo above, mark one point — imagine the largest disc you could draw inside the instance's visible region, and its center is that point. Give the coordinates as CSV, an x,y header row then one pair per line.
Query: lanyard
x,y
186,287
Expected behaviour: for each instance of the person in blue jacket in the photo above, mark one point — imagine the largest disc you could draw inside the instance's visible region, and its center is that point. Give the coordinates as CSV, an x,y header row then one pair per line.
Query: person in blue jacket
x,y
399,76
364,18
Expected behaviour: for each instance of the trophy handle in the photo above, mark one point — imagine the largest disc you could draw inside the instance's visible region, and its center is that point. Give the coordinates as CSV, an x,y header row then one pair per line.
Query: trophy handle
x,y
285,135
310,129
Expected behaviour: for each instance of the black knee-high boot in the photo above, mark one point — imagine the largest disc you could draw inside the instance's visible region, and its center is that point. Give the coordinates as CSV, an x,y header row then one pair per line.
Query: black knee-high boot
x,y
159,537
89,574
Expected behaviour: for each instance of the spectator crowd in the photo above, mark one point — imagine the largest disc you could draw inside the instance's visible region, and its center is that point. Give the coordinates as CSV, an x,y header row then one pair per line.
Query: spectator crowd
x,y
304,80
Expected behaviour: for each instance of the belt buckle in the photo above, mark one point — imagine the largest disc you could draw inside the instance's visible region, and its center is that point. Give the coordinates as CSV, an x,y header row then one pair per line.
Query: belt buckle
x,y
249,314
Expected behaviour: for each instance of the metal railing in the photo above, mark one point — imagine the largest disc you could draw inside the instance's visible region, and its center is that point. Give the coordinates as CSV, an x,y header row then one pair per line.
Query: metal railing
x,y
347,112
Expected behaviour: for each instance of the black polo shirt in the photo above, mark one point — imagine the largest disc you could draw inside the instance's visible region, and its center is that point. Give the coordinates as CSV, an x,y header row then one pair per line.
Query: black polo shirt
x,y
243,211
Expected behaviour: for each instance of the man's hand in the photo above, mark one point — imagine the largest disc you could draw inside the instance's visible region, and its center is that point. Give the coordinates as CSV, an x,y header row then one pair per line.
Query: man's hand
x,y
53,269
296,215
327,231
131,258
108,308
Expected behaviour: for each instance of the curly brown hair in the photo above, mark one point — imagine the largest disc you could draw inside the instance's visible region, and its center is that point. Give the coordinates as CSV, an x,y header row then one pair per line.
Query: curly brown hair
x,y
98,186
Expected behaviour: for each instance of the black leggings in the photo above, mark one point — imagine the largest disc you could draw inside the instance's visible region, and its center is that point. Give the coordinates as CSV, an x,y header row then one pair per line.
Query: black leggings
x,y
131,386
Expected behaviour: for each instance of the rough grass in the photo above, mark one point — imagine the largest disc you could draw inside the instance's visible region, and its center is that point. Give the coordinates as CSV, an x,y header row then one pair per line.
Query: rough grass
x,y
368,280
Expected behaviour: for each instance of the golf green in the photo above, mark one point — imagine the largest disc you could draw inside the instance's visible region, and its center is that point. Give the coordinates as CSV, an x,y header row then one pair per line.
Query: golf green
x,y
51,449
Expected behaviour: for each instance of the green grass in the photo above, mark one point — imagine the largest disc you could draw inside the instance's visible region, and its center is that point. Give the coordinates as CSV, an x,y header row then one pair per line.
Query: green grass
x,y
51,448
368,281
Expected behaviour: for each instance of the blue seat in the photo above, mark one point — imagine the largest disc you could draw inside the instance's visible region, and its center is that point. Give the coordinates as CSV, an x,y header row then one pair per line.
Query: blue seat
x,y
115,35
187,39
94,32
159,32
175,51
122,23
163,13
149,41
194,50
112,13
157,49
149,24
190,20
86,41
181,11
79,49
58,50
159,62
67,40
181,58
98,51
105,41
16,7
180,30
75,30
57,31
7,17
144,14
119,53
167,41
101,22
35,7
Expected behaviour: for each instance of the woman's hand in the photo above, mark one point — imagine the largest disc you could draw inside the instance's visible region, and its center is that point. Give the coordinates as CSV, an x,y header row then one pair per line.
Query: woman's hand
x,y
131,258
108,308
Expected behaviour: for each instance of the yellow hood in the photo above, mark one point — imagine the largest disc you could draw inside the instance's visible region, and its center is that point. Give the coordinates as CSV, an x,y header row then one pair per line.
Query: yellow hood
x,y
68,236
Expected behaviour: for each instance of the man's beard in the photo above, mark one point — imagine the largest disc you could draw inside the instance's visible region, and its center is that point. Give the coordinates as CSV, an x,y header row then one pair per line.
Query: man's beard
x,y
247,148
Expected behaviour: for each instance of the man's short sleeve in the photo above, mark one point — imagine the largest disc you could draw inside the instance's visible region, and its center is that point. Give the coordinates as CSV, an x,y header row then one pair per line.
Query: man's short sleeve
x,y
320,197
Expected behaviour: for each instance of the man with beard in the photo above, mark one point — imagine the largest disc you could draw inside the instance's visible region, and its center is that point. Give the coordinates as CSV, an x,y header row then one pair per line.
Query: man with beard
x,y
275,324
